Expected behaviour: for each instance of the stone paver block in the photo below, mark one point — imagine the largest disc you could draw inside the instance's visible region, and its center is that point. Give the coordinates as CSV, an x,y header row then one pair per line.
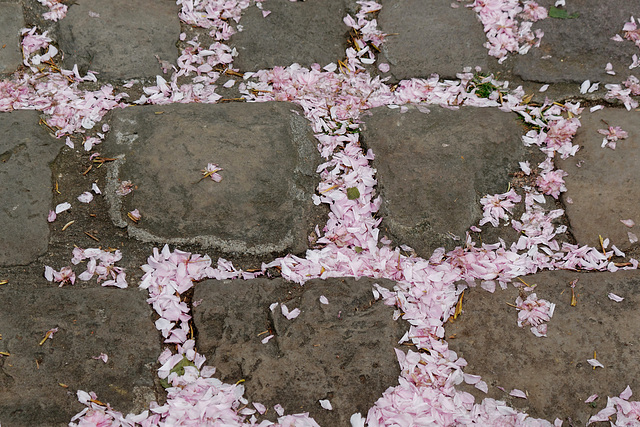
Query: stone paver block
x,y
604,189
425,39
432,169
554,369
295,32
573,50
123,40
342,351
90,321
26,151
11,22
263,203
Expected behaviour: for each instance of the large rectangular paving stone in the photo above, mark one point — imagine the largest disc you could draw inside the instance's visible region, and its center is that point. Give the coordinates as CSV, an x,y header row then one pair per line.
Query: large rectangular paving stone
x,y
432,37
295,32
342,351
553,370
432,169
263,203
574,50
602,185
11,22
90,321
26,150
123,40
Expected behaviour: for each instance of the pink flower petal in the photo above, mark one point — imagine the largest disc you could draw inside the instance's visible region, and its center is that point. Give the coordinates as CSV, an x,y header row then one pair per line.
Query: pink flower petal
x,y
591,398
628,222
518,393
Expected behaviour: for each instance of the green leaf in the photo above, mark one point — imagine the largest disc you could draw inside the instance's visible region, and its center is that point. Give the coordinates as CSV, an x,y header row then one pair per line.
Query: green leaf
x,y
353,193
179,369
358,249
554,12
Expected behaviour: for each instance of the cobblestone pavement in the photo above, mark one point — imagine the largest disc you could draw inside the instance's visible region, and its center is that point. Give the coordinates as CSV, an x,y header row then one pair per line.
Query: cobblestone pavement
x,y
369,155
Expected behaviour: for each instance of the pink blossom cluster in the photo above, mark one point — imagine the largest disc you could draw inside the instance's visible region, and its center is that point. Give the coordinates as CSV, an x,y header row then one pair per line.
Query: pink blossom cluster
x,y
612,135
101,263
534,312
497,206
214,14
627,413
551,181
57,9
366,26
64,276
505,33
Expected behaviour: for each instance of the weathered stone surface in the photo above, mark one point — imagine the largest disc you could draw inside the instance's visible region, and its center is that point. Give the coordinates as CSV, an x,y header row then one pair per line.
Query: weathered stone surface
x,y
26,151
573,50
342,351
90,321
263,203
426,39
123,41
11,22
295,32
434,168
554,370
604,189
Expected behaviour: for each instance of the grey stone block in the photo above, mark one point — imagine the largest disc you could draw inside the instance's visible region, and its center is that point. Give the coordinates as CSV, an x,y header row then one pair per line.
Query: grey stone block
x,y
427,37
11,22
295,32
342,351
122,42
26,151
553,369
263,203
432,169
604,188
573,50
90,321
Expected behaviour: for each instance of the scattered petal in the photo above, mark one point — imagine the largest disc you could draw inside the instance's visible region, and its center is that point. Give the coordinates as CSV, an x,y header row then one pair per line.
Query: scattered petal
x,y
326,404
615,297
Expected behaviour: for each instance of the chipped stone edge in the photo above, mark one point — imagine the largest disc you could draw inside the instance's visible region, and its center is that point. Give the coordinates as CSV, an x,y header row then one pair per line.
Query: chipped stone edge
x,y
206,241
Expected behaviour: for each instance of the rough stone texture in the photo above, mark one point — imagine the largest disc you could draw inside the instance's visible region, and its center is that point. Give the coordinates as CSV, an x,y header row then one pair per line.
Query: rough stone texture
x,y
295,32
90,321
11,22
434,168
604,189
123,41
426,39
342,351
573,50
263,203
26,151
554,370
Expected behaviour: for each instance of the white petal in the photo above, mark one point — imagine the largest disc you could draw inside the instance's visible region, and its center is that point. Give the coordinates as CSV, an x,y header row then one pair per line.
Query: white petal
x,y
63,207
614,297
326,404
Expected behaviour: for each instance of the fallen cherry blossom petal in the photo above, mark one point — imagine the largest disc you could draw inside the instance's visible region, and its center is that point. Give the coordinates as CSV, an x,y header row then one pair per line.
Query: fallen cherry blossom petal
x,y
628,222
63,207
326,404
266,339
518,393
324,299
102,357
85,197
591,398
595,363
615,297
